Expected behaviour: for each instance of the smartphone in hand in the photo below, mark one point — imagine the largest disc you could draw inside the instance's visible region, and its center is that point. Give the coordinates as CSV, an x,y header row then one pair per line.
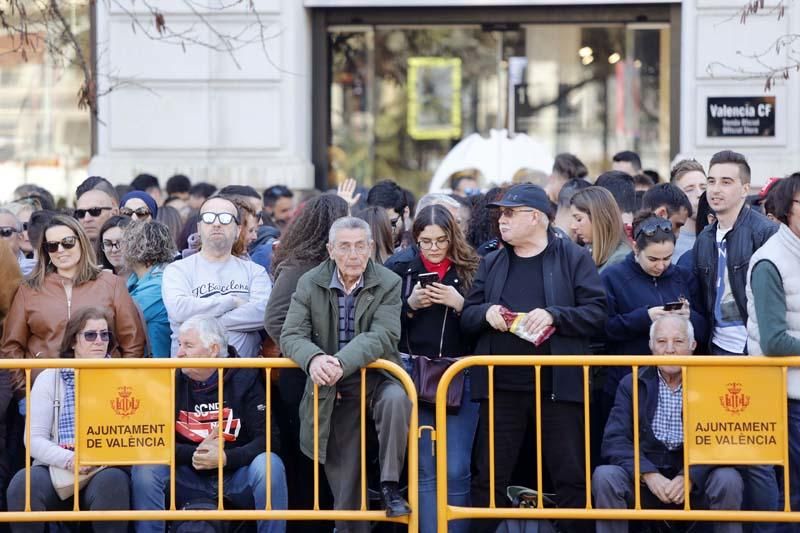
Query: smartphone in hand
x,y
428,278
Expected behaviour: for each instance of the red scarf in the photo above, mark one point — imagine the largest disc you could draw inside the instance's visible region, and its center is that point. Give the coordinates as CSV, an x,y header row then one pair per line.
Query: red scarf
x,y
439,268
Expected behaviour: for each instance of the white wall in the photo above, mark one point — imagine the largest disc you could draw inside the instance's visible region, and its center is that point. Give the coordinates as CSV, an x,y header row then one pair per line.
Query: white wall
x,y
712,33
196,112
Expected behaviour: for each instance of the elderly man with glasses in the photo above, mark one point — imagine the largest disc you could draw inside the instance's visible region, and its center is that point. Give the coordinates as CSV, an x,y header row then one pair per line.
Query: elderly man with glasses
x,y
345,314
213,281
555,283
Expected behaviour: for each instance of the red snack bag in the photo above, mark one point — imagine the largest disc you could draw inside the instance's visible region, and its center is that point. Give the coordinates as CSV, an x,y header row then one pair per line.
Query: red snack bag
x,y
514,323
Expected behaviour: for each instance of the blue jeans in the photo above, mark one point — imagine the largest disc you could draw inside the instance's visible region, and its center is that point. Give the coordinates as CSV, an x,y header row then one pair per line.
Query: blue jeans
x,y
245,487
461,427
760,493
794,463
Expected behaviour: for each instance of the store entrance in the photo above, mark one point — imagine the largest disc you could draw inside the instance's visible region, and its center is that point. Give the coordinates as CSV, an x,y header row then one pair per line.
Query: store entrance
x,y
401,96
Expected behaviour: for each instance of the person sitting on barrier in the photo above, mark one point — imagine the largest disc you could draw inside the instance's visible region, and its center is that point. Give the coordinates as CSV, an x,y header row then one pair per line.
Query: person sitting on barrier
x,y
660,442
89,334
244,458
555,283
345,314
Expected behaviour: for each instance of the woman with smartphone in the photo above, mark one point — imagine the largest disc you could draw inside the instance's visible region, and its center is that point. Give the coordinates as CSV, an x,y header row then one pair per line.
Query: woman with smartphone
x,y
433,289
644,287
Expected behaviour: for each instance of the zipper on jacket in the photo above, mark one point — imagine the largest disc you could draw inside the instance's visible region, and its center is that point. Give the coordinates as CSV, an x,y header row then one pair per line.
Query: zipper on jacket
x,y
68,294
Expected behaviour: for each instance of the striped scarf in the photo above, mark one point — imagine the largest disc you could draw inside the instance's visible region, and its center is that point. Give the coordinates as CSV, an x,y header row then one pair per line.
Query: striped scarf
x,y
66,418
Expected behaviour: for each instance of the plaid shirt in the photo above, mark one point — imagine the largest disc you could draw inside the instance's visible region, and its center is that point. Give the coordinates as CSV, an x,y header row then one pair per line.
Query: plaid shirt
x,y
668,422
347,307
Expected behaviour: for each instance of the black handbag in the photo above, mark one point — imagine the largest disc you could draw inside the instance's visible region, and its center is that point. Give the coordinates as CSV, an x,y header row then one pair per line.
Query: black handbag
x,y
426,372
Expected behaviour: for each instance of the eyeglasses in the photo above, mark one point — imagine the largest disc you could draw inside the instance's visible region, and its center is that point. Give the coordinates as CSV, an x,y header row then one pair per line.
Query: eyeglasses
x,y
80,214
359,248
650,226
110,246
91,335
210,217
68,243
141,212
394,221
24,226
7,231
509,212
427,244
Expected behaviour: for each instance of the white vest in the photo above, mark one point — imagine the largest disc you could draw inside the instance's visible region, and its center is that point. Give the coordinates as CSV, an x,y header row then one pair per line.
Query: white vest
x,y
783,251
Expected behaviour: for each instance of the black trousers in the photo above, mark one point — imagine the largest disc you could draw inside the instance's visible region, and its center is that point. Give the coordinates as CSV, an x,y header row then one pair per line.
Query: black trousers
x,y
562,453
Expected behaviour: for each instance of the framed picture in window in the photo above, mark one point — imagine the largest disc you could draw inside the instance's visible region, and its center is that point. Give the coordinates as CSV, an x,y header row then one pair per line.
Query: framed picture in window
x,y
434,98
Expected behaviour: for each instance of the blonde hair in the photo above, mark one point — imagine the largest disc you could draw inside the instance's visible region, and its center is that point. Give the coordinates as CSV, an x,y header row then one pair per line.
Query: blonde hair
x,y
606,218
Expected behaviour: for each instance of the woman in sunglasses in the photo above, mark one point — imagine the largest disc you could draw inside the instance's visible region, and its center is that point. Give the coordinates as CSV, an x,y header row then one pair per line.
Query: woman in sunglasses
x,y
109,247
644,287
87,335
597,224
433,289
139,206
66,278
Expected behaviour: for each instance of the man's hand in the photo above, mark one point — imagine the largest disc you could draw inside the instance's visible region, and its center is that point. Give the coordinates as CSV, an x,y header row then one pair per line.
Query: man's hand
x,y
419,299
325,370
445,295
536,320
683,312
658,485
346,191
675,490
206,456
495,319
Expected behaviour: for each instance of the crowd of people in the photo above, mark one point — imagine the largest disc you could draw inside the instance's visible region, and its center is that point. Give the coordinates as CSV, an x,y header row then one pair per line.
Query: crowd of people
x,y
620,264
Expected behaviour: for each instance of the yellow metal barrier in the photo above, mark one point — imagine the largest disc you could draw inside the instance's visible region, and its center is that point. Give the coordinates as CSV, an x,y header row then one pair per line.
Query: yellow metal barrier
x,y
221,514
448,512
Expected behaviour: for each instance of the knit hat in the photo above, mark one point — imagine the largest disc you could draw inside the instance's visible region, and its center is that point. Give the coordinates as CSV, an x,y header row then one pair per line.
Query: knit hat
x,y
143,196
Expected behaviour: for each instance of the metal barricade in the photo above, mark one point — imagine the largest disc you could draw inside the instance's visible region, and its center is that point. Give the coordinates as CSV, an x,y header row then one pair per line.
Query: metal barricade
x,y
171,514
448,512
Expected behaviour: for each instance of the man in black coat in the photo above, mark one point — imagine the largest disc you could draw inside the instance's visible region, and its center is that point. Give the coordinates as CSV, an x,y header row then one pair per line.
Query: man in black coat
x,y
556,283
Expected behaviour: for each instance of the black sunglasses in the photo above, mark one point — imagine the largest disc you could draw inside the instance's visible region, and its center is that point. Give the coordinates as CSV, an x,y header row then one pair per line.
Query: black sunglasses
x,y
210,217
24,226
650,226
141,212
7,231
68,243
80,214
91,335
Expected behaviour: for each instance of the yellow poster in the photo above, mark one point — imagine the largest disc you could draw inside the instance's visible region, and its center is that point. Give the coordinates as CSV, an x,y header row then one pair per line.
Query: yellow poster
x,y
125,416
735,415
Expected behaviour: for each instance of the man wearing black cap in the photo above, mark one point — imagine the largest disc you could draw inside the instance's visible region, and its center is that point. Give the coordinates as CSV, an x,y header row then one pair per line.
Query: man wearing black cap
x,y
556,283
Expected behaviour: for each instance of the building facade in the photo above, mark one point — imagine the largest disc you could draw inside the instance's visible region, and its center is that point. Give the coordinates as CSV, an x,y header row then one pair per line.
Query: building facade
x,y
306,92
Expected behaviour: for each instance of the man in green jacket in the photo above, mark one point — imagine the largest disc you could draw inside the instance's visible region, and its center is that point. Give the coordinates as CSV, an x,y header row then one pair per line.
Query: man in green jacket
x,y
345,314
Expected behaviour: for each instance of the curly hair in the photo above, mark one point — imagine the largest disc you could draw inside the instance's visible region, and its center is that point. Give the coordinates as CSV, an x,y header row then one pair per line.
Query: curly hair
x,y
147,243
483,224
306,237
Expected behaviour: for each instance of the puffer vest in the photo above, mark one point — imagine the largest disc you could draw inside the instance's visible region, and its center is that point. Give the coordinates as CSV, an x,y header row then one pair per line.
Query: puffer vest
x,y
783,251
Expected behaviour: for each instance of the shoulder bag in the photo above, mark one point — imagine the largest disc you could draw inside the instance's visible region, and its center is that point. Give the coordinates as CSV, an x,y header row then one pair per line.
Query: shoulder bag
x,y
64,480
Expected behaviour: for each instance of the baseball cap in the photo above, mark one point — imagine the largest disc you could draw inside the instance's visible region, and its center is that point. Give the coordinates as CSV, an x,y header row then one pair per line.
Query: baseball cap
x,y
527,195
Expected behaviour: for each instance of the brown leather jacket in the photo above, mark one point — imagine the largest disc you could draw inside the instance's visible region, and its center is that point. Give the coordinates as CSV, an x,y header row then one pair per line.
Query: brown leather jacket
x,y
35,323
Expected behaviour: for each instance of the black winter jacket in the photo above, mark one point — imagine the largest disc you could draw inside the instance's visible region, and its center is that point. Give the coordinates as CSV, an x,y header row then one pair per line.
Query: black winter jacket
x,y
654,456
750,231
575,298
244,394
422,329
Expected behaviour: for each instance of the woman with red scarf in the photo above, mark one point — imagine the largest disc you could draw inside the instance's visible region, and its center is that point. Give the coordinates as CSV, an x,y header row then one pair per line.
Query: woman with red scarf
x,y
433,289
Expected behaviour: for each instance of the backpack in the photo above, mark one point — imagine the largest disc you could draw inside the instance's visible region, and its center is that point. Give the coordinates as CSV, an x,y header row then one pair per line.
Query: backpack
x,y
199,526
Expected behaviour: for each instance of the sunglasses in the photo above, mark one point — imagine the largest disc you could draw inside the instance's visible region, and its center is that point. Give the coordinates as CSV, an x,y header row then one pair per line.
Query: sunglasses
x,y
7,231
394,221
224,218
650,226
91,335
68,243
80,214
141,212
24,226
